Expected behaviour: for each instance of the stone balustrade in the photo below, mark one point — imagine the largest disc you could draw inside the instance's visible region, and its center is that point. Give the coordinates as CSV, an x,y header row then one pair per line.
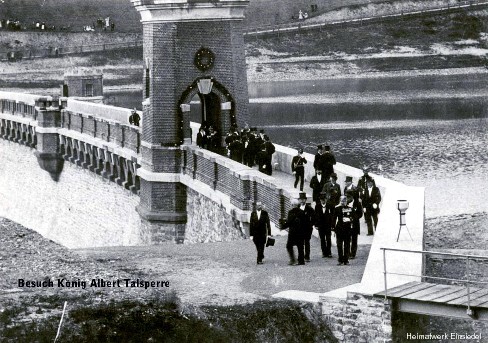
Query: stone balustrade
x,y
111,148
105,146
242,185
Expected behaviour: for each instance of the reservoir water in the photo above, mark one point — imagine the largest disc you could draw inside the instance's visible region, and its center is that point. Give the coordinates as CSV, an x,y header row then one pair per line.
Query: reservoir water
x,y
428,131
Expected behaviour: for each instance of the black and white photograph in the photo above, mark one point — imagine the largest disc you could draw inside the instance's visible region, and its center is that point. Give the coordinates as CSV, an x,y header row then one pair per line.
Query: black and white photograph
x,y
244,171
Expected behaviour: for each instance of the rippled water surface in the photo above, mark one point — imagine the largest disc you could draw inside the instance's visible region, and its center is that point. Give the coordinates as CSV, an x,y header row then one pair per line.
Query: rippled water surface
x,y
428,131
448,157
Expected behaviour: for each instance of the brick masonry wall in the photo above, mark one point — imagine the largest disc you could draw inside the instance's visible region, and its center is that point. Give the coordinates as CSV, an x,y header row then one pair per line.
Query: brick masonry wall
x,y
209,222
169,50
358,319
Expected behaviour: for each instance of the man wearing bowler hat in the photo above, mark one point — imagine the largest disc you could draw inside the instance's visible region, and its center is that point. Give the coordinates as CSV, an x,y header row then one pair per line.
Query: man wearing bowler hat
x,y
260,229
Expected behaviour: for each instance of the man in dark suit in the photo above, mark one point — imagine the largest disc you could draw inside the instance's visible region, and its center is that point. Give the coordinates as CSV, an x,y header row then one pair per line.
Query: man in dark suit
x,y
357,212
341,224
260,229
322,223
134,118
327,162
333,191
371,198
349,189
270,149
296,233
262,160
307,219
317,162
202,138
317,184
298,168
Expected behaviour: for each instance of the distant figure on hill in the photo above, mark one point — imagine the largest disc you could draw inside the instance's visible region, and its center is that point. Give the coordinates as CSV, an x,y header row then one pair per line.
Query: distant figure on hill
x,y
134,118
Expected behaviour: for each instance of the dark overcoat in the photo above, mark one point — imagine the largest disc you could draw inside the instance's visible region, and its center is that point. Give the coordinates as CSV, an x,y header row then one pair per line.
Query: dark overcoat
x,y
260,228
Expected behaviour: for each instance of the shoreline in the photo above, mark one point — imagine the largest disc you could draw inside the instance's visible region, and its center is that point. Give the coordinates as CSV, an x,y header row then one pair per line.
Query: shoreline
x,y
299,74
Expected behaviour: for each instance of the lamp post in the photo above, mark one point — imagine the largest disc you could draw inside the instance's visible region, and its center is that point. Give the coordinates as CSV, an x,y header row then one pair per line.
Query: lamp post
x,y
402,206
204,87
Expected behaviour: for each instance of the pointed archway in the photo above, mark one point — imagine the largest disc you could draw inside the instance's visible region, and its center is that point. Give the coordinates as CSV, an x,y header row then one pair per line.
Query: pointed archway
x,y
217,107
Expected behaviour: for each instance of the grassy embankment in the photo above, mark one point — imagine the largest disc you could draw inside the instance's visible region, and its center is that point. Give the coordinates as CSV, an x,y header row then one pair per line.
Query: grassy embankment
x,y
432,42
162,319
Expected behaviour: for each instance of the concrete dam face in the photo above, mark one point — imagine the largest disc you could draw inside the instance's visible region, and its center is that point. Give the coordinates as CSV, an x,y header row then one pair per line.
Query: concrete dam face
x,y
81,209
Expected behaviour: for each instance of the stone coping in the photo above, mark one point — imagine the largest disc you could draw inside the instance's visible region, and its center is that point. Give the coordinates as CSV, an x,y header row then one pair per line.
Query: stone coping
x,y
29,99
108,112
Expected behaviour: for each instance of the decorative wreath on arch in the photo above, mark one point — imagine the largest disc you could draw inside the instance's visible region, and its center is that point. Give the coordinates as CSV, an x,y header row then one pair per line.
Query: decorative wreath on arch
x,y
204,59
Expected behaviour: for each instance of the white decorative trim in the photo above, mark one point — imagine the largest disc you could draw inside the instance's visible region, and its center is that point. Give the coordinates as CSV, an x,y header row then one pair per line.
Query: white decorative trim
x,y
158,177
182,11
40,129
148,145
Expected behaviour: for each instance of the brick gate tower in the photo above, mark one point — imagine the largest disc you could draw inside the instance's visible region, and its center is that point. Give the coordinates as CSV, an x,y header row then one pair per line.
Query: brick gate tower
x,y
191,48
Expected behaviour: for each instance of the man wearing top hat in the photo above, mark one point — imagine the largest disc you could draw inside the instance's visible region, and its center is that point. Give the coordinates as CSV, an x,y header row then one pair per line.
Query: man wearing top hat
x,y
349,188
308,215
342,224
371,198
259,229
270,149
357,212
322,223
362,181
318,162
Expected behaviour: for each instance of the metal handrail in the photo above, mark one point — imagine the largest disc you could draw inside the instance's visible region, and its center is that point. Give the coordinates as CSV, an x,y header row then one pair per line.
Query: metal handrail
x,y
467,281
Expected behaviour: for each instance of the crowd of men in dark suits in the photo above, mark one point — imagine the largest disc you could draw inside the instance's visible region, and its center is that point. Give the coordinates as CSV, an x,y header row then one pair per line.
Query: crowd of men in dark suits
x,y
336,210
247,146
